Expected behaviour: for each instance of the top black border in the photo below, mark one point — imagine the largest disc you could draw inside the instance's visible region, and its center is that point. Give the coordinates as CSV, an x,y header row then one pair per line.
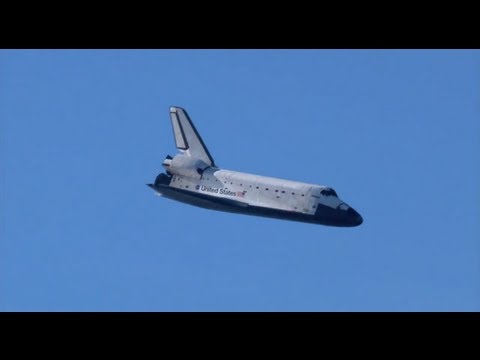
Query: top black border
x,y
243,27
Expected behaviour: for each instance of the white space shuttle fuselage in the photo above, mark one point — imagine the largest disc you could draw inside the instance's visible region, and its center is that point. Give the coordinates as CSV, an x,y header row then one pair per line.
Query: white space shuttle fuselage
x,y
192,177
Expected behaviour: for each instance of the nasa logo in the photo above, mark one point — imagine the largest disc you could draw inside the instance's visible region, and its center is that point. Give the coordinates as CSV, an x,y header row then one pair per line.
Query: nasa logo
x,y
197,187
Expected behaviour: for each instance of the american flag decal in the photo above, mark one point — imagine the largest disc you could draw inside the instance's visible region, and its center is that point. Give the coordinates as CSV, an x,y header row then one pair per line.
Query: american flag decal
x,y
240,193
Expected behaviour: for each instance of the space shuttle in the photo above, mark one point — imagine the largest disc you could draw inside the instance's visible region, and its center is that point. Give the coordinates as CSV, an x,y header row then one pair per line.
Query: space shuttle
x,y
193,178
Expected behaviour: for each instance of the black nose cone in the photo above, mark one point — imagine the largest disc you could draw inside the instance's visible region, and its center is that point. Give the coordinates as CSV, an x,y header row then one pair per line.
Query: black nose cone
x,y
354,218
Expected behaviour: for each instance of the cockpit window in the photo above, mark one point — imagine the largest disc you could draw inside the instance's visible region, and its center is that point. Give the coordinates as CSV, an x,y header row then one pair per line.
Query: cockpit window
x,y
328,192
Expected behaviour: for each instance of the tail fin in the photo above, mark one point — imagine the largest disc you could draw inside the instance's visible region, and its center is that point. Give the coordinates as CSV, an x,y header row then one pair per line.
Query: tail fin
x,y
187,138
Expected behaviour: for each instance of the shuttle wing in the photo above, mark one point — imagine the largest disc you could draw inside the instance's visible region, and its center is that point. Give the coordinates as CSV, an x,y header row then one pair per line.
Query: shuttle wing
x,y
187,138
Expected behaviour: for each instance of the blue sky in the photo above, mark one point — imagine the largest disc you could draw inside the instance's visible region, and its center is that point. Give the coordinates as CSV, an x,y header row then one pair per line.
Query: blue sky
x,y
394,132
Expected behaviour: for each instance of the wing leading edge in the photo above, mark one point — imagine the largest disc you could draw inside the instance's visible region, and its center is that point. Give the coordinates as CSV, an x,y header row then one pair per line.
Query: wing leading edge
x,y
187,138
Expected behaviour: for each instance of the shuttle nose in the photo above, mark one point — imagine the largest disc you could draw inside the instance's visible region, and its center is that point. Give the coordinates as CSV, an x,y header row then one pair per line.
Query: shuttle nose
x,y
354,218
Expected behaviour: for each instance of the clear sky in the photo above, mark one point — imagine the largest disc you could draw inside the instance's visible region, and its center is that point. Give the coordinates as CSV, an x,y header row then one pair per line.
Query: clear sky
x,y
395,132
